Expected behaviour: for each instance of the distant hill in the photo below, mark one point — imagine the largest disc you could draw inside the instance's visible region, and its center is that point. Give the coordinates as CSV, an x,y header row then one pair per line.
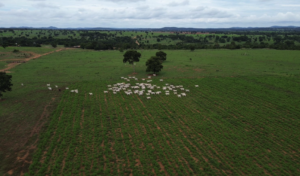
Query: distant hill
x,y
164,28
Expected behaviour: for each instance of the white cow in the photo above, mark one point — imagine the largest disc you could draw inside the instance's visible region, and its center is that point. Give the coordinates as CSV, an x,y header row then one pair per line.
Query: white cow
x,y
105,91
179,96
91,93
48,85
196,85
49,88
67,88
148,98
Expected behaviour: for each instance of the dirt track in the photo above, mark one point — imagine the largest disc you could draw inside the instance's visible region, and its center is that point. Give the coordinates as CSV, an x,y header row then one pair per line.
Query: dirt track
x,y
34,56
137,42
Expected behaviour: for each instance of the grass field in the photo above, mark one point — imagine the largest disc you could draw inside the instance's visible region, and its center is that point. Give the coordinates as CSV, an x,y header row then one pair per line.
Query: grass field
x,y
2,65
38,50
243,119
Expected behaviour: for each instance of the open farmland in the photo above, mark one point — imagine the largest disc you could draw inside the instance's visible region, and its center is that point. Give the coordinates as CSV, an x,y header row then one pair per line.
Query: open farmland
x,y
243,119
225,126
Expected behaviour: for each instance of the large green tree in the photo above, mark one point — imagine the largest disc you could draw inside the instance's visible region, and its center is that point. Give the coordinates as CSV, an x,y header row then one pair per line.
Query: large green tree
x,y
162,55
131,56
5,83
154,64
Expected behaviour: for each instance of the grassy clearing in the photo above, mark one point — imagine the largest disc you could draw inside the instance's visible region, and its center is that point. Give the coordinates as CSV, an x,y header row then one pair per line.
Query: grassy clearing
x,y
244,110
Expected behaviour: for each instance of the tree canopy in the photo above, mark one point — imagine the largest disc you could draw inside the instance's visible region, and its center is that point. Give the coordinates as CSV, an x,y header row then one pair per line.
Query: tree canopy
x,y
131,56
54,45
5,83
154,64
162,55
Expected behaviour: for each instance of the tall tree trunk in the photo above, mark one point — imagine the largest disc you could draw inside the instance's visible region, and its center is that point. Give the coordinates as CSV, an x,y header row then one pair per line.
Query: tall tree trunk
x,y
133,68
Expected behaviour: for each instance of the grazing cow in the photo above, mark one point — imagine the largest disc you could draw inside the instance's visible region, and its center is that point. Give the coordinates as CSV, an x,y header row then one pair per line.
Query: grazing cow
x,y
179,96
148,98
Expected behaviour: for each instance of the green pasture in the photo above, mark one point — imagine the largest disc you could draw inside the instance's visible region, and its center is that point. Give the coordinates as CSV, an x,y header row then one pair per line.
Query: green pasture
x,y
38,50
2,65
239,126
242,119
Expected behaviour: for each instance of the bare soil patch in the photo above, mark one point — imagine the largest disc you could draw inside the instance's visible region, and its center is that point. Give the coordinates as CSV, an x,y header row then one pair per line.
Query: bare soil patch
x,y
34,56
198,70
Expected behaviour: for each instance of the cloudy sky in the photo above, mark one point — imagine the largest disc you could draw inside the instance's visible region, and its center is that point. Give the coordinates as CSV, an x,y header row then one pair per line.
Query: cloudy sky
x,y
149,13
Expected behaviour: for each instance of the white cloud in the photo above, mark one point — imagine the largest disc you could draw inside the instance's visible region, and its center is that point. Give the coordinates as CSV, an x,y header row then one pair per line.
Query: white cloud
x,y
149,13
127,1
291,5
183,3
44,5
